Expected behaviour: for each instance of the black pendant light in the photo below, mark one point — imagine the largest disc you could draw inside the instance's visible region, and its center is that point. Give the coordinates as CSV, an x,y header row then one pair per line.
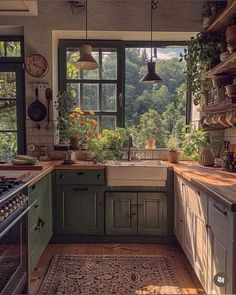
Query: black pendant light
x,y
151,76
86,60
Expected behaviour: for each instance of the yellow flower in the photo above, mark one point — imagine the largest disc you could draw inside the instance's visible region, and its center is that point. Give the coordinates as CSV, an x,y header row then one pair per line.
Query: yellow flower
x,y
77,110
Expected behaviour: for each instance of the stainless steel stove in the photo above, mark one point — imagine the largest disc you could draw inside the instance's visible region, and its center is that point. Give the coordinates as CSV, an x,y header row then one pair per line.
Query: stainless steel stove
x,y
13,236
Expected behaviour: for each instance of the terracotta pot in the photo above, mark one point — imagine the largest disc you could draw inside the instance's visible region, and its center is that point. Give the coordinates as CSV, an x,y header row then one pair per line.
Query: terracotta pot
x,y
150,143
75,141
206,157
221,80
173,156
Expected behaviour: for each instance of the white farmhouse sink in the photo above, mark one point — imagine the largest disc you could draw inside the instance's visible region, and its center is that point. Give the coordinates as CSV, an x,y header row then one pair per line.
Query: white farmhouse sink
x,y
144,173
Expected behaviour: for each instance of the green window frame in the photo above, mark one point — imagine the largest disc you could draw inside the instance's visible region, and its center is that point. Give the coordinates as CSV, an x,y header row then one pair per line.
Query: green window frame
x,y
12,71
96,83
120,46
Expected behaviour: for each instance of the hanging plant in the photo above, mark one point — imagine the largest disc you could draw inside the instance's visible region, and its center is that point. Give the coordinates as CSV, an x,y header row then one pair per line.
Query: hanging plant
x,y
202,54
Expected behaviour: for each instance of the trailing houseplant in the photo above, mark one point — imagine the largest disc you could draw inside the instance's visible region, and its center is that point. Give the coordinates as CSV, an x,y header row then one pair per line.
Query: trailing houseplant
x,y
202,54
172,144
64,104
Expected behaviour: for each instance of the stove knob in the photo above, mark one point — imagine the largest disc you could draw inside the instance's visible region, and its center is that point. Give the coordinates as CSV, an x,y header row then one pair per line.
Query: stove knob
x,y
6,211
14,204
10,207
2,215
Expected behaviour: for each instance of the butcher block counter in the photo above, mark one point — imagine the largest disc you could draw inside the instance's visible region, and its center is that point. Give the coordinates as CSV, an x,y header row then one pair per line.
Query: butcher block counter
x,y
214,181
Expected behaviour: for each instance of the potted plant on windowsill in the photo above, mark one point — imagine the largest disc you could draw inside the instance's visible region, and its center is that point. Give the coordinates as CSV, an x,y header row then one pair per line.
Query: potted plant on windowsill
x,y
150,125
172,145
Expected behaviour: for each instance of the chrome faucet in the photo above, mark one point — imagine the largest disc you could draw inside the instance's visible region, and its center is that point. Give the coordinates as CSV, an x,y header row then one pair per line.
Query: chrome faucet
x,y
129,147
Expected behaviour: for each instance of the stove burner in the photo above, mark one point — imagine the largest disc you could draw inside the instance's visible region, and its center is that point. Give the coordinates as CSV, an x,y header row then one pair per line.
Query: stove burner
x,y
7,184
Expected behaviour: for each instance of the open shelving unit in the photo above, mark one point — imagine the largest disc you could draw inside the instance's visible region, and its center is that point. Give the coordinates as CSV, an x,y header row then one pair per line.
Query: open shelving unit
x,y
226,66
219,107
222,20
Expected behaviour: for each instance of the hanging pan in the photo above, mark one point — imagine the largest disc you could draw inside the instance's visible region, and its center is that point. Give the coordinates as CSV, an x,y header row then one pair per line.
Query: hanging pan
x,y
37,110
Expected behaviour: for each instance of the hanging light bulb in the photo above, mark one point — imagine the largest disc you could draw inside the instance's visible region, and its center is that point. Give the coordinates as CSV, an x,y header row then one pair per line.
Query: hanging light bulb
x,y
86,60
151,76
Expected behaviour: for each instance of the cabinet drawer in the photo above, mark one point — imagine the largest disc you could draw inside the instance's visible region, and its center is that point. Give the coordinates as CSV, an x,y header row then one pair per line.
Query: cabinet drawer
x,y
221,217
83,176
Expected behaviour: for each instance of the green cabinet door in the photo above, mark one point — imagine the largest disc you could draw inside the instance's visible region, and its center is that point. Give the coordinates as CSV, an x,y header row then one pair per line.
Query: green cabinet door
x,y
121,213
152,214
39,219
80,210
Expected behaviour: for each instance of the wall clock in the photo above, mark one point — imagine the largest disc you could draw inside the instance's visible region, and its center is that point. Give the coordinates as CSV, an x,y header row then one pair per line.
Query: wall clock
x,y
36,65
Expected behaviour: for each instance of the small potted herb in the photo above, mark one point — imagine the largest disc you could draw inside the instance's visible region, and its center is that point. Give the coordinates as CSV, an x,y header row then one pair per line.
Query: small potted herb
x,y
172,145
150,125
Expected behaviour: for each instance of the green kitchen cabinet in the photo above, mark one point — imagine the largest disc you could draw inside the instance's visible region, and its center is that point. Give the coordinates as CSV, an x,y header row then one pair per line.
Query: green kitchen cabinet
x,y
121,213
152,214
136,213
39,219
80,210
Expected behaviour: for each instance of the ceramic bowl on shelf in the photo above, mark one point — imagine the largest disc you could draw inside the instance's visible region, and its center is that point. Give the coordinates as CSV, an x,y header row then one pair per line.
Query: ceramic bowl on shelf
x,y
230,90
208,120
215,118
222,80
231,118
222,120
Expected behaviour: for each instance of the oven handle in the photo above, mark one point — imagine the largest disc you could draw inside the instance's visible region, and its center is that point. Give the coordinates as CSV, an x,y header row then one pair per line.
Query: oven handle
x,y
17,219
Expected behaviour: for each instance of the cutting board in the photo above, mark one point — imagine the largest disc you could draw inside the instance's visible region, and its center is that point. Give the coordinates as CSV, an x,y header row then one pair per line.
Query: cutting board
x,y
38,166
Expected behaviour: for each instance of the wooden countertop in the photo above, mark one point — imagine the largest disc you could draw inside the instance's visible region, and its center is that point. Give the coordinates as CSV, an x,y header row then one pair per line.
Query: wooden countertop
x,y
214,181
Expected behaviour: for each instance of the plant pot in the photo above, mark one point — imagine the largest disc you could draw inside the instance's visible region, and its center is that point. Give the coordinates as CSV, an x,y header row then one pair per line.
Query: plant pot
x,y
75,142
150,143
206,157
221,80
173,156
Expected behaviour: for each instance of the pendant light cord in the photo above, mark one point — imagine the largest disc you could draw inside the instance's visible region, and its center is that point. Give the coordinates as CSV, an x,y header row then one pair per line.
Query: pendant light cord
x,y
153,6
86,22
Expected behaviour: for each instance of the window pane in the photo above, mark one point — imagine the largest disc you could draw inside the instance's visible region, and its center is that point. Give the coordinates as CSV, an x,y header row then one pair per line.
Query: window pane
x,y
108,122
8,144
8,115
72,55
7,85
90,97
2,49
74,89
109,65
91,74
13,49
109,97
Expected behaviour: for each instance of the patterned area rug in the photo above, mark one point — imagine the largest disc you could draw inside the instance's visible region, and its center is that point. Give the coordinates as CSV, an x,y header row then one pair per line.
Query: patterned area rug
x,y
106,275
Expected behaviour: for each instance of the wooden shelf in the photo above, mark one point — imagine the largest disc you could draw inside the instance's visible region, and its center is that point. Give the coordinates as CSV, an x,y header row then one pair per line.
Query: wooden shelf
x,y
226,66
219,107
223,19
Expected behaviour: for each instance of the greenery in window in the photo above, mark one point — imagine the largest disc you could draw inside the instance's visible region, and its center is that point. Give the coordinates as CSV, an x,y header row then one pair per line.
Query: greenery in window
x,y
168,98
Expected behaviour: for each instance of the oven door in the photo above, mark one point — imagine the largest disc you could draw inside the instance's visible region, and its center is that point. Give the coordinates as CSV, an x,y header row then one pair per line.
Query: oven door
x,y
13,253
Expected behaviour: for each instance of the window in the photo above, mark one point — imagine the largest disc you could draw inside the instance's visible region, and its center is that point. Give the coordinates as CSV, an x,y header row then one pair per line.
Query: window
x,y
11,99
122,65
168,98
95,90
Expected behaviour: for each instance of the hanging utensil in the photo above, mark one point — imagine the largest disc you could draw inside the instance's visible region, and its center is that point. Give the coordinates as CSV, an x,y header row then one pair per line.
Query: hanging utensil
x,y
37,110
48,94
